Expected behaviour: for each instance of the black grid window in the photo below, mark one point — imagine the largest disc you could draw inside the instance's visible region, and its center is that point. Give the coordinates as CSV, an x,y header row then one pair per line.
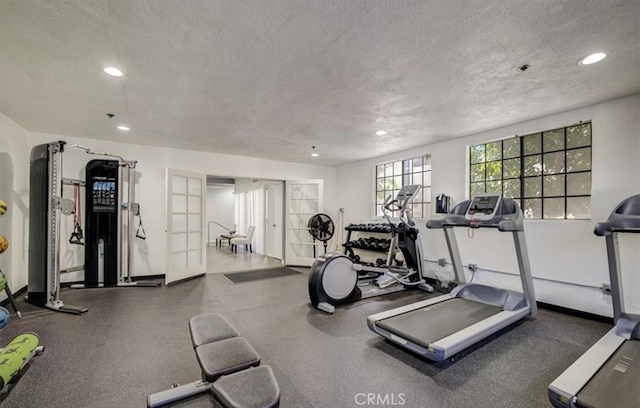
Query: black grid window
x,y
548,173
390,177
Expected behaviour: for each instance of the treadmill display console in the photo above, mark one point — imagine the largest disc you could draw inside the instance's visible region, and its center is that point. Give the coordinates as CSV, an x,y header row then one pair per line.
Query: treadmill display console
x,y
483,207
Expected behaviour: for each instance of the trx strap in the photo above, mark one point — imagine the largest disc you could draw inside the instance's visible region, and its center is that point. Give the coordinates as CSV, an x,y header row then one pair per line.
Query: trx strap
x,y
77,236
140,233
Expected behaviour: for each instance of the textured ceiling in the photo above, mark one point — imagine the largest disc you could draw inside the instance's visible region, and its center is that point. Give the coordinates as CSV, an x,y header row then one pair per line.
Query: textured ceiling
x,y
271,78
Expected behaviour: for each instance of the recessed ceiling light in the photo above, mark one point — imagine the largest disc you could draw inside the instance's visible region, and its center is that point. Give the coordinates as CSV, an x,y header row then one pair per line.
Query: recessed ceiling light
x,y
125,128
315,154
381,132
592,59
113,71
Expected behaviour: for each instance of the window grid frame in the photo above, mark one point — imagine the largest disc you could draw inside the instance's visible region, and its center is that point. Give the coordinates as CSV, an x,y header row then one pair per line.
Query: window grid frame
x,y
420,206
522,177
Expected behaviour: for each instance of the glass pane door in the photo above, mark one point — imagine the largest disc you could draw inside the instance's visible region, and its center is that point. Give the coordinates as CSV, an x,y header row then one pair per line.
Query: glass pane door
x,y
304,200
186,220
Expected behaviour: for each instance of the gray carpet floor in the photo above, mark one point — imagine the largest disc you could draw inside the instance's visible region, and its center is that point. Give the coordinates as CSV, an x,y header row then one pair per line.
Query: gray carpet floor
x,y
135,341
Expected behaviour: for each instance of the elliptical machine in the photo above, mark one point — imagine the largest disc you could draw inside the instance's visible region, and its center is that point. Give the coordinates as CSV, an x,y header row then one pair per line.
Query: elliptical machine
x,y
335,279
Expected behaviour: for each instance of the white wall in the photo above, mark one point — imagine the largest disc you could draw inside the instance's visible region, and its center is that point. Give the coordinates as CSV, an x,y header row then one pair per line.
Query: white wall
x,y
14,186
560,250
150,254
220,208
565,250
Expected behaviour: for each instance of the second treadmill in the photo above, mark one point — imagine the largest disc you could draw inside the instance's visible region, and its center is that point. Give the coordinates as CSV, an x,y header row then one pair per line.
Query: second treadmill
x,y
440,327
608,374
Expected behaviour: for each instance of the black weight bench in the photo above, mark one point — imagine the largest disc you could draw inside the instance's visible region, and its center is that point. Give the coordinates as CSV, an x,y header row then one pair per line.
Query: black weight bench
x,y
231,369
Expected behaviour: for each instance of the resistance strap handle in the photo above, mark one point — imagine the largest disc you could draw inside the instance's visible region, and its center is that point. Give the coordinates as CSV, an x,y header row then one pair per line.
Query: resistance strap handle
x,y
140,233
77,237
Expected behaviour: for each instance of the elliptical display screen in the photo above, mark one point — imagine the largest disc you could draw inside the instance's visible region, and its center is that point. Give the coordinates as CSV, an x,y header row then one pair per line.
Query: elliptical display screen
x,y
406,193
104,194
483,207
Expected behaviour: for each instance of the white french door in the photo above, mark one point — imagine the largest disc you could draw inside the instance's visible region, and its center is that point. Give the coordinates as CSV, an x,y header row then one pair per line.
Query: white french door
x,y
186,247
304,199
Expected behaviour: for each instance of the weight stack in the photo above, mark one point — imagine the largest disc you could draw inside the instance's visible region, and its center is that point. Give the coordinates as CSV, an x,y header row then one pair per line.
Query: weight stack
x,y
101,223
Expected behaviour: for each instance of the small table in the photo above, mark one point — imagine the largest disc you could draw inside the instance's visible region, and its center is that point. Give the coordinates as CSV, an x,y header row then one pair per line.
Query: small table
x,y
227,237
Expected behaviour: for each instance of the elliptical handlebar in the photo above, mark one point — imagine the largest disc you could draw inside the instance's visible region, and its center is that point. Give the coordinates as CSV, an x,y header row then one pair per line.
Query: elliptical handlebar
x,y
400,203
384,206
392,205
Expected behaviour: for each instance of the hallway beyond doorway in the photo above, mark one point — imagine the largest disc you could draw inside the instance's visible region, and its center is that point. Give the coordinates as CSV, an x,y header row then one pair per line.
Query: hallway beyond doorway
x,y
222,260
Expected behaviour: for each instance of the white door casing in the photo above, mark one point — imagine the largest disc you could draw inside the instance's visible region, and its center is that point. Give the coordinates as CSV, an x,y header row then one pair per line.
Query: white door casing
x,y
268,221
277,193
274,220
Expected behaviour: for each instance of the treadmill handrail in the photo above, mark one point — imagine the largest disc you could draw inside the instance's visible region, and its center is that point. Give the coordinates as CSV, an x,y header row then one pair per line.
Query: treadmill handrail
x,y
623,225
624,218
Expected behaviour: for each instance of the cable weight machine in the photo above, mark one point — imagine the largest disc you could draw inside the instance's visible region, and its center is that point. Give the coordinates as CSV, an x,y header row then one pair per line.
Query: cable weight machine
x,y
45,206
109,222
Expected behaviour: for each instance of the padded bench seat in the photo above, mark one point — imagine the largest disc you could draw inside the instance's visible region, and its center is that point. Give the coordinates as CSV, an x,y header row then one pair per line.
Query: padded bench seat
x,y
230,369
252,388
225,357
209,328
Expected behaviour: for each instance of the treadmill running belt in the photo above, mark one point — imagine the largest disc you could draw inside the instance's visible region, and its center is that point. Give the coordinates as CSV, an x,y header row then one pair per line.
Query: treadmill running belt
x,y
435,322
617,383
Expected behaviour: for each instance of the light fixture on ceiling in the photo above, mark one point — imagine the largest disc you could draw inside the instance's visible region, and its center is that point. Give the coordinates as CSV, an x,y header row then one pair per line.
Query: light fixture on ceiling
x,y
313,152
592,59
124,128
113,71
381,132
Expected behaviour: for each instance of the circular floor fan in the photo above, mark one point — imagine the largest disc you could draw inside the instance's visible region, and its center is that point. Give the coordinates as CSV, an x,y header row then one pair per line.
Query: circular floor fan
x,y
321,228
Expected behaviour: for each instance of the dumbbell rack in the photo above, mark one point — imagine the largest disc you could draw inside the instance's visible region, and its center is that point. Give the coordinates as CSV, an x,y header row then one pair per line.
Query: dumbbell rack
x,y
371,243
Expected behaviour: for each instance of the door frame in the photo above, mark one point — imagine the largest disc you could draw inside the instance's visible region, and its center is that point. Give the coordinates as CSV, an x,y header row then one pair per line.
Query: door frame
x,y
274,220
278,208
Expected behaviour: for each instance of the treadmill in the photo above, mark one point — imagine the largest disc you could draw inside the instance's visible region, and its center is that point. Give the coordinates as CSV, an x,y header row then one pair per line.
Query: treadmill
x,y
440,327
608,374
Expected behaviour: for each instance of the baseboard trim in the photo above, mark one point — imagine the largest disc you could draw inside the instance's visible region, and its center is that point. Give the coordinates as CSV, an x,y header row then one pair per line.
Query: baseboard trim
x,y
574,312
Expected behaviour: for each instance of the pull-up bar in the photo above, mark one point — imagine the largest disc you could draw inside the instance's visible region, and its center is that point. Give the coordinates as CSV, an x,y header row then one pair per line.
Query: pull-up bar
x,y
129,163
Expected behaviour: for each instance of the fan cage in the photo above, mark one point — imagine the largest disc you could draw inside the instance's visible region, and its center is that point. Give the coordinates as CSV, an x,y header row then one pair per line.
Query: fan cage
x,y
321,227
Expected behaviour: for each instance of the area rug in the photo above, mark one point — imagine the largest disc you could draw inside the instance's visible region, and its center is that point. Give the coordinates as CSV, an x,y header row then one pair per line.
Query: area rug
x,y
250,276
